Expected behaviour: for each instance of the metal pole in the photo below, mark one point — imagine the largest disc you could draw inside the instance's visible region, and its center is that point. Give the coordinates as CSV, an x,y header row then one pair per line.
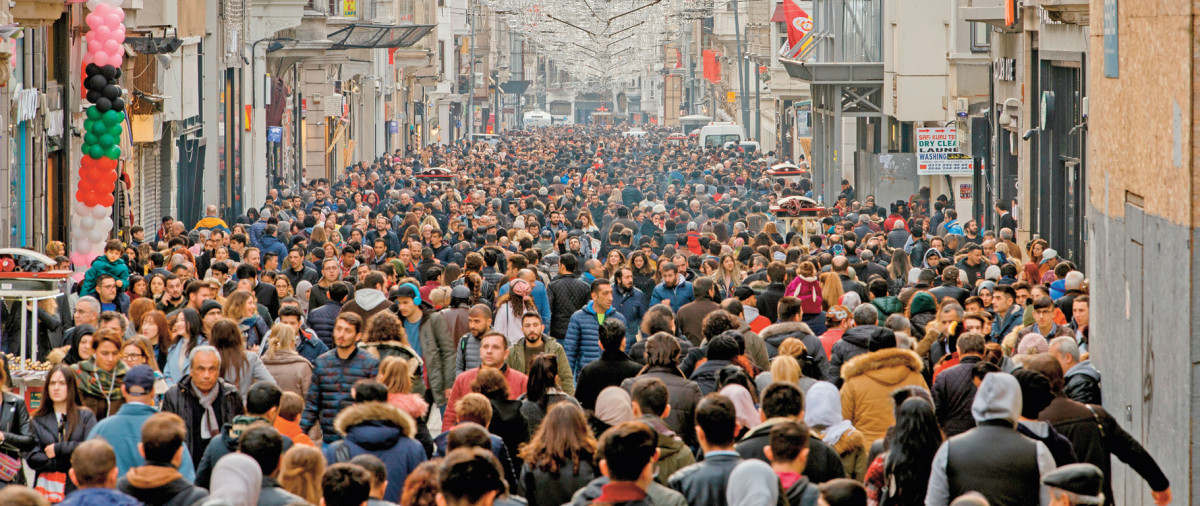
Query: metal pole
x,y
737,40
496,114
757,104
470,112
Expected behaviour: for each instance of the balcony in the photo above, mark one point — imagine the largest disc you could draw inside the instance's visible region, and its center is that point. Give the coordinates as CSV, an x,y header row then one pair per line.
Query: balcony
x,y
983,11
845,45
37,13
1073,12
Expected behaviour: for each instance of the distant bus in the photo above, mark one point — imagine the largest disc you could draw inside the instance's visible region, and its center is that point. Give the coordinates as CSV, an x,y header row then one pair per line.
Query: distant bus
x,y
538,119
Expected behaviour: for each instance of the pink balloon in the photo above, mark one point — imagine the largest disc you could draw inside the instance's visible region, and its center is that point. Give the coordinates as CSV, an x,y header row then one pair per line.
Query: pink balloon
x,y
115,59
111,46
101,58
93,20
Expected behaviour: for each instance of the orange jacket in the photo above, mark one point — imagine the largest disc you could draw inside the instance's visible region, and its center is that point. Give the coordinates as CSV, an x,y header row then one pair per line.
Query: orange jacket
x,y
292,430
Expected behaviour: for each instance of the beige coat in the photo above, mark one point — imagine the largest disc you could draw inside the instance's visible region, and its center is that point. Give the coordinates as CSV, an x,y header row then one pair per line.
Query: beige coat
x,y
291,371
870,379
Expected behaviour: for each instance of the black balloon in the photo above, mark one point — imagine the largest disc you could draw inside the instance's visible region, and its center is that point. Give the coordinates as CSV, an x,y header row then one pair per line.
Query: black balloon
x,y
108,71
93,96
97,82
118,104
112,91
104,104
116,72
91,69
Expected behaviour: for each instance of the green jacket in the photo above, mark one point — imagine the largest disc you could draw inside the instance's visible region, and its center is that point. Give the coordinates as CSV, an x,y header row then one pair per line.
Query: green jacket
x,y
888,306
673,455
566,380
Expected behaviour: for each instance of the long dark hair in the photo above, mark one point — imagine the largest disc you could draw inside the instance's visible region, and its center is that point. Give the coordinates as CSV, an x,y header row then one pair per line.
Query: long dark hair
x,y
915,440
227,339
564,437
192,318
73,401
543,375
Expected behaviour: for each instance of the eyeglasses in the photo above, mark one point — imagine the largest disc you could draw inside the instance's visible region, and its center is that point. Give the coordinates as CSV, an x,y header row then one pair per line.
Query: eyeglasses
x,y
134,356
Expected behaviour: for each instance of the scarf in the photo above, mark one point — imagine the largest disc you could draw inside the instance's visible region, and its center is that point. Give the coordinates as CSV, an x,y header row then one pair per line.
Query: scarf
x,y
97,382
209,426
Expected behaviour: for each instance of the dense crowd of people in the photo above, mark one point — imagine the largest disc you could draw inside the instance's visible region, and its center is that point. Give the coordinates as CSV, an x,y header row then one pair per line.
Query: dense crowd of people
x,y
569,317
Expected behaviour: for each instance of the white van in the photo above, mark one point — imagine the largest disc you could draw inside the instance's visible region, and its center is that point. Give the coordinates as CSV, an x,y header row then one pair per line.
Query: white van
x,y
716,134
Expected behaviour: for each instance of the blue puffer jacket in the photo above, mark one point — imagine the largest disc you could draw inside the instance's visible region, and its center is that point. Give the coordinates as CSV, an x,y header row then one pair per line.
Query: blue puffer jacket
x,y
321,321
582,343
256,231
679,295
632,306
329,392
379,429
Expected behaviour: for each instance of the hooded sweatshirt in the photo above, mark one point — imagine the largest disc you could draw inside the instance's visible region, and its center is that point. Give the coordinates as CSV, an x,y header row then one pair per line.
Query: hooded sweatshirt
x,y
160,484
997,403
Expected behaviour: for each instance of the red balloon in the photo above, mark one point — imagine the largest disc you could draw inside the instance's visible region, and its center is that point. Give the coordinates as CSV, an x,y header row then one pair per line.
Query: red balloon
x,y
107,164
106,200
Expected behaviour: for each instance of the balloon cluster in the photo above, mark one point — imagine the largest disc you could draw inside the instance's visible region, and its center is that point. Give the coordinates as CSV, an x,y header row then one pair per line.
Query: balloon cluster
x,y
91,221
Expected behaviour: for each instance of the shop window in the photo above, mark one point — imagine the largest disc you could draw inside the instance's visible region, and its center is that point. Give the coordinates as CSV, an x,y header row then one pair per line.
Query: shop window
x,y
981,38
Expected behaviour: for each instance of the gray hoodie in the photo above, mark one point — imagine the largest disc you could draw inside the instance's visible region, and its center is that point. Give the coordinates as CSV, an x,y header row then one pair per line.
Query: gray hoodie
x,y
369,298
998,398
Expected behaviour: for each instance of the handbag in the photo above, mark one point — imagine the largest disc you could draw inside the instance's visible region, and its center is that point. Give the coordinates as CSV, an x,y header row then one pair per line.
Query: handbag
x,y
9,467
52,486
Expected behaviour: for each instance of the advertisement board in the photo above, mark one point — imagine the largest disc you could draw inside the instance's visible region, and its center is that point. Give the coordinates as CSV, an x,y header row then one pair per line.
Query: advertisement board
x,y
937,153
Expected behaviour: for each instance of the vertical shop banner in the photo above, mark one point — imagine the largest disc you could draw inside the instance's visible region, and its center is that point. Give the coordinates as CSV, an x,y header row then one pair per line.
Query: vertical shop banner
x,y
1112,46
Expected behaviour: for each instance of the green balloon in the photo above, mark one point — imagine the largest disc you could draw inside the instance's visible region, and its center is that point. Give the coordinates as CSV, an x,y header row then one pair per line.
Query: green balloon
x,y
88,124
115,129
99,128
93,113
113,152
96,151
90,138
108,140
112,117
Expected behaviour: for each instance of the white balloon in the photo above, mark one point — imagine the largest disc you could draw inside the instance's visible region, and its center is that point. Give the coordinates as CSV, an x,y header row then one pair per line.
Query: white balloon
x,y
112,3
101,212
105,224
87,223
81,209
97,248
97,235
92,4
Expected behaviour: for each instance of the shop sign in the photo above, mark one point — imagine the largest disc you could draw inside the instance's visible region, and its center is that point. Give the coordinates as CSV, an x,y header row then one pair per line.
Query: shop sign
x,y
274,134
937,153
1005,69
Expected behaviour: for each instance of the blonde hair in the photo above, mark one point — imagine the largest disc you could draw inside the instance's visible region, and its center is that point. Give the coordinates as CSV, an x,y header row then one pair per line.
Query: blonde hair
x,y
394,374
282,338
235,306
831,289
785,369
300,472
793,347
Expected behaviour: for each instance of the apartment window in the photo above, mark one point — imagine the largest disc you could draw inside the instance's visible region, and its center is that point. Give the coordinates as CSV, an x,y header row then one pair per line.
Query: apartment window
x,y
981,38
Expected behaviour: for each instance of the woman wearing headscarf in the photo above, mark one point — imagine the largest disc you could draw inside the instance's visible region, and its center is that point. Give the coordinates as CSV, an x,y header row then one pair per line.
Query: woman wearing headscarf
x,y
79,349
823,414
101,377
613,406
510,307
754,483
748,416
237,480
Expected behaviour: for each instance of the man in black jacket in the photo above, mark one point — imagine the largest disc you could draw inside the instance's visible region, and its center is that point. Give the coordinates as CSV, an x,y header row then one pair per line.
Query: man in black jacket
x,y
788,453
950,287
567,294
264,292
159,482
612,368
262,406
953,391
203,400
768,300
716,427
783,402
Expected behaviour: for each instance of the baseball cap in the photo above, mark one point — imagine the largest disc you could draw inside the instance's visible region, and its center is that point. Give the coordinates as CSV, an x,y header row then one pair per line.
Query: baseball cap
x,y
139,380
460,292
743,292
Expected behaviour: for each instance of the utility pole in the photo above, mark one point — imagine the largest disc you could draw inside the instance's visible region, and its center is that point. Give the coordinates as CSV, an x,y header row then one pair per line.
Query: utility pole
x,y
469,114
737,40
757,103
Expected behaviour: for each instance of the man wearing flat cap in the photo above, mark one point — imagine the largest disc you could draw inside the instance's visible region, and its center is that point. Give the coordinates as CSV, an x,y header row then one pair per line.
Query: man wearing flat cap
x,y
1075,484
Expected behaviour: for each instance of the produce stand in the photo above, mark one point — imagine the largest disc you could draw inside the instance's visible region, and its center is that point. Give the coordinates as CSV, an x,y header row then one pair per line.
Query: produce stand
x,y
25,278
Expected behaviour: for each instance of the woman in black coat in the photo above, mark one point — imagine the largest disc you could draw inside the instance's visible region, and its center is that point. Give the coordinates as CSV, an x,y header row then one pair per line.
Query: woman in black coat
x,y
59,425
15,434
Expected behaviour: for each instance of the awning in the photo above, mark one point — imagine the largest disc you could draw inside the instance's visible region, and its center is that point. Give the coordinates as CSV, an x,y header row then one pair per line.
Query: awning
x,y
369,36
779,16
